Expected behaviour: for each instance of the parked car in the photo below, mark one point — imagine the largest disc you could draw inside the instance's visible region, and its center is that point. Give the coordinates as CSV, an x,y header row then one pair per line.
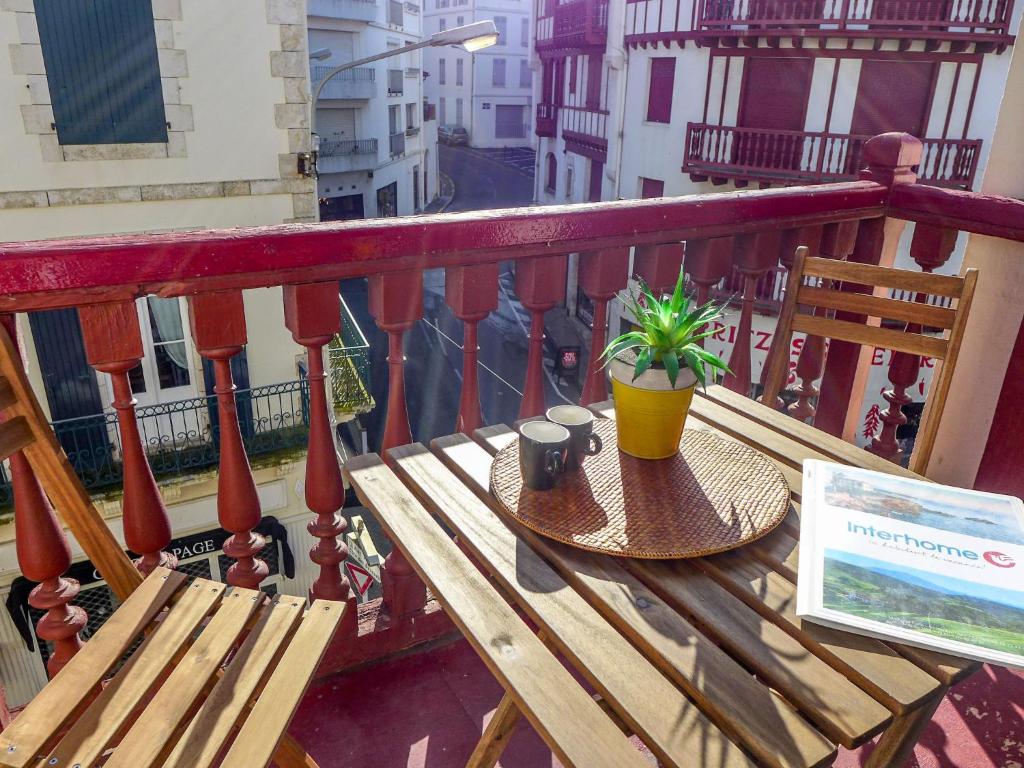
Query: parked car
x,y
452,134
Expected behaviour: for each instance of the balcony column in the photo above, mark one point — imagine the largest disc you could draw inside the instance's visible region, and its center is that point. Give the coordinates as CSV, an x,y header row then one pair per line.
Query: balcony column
x,y
753,255
707,262
889,160
602,274
658,265
218,331
472,294
540,286
44,555
930,248
396,303
312,312
113,345
810,238
836,243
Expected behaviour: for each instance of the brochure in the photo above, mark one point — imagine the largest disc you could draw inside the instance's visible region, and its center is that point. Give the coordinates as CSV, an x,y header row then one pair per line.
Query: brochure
x,y
913,562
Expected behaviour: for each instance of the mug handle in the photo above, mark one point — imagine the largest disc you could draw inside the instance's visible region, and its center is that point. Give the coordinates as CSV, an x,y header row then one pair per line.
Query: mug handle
x,y
594,445
553,462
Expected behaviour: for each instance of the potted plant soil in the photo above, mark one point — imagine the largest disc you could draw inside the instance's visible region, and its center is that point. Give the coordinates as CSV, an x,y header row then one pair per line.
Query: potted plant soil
x,y
655,368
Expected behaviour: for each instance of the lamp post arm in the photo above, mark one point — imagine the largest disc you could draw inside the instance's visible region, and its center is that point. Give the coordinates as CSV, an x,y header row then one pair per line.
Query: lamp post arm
x,y
353,65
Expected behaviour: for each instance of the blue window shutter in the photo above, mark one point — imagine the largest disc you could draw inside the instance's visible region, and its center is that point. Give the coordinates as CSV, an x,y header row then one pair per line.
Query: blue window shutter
x,y
102,70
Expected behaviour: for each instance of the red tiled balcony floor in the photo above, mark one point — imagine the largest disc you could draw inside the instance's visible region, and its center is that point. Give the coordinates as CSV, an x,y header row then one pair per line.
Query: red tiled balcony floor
x,y
428,709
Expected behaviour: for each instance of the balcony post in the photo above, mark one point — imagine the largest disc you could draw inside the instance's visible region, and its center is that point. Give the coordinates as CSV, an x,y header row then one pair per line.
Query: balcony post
x,y
540,285
836,243
312,312
753,255
44,555
472,294
889,160
930,248
810,238
396,303
218,330
602,274
658,265
113,345
707,262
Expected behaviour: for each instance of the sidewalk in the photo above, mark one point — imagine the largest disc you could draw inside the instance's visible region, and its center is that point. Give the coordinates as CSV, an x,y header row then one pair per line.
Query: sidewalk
x,y
444,197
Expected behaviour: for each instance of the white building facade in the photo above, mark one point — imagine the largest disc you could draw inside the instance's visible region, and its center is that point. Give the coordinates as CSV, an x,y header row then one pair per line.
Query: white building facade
x,y
489,93
378,138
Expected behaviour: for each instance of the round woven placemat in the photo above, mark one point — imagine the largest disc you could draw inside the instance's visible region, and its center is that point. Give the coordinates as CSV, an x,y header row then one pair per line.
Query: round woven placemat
x,y
714,495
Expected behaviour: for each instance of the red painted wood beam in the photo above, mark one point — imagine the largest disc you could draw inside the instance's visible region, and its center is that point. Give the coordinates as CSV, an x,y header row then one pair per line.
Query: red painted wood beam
x,y
953,209
73,272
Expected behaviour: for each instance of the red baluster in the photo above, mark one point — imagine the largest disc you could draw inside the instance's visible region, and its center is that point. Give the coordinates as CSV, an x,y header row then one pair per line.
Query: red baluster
x,y
809,237
312,312
396,303
890,159
930,248
113,345
836,243
218,330
472,294
753,255
658,265
707,262
602,274
540,285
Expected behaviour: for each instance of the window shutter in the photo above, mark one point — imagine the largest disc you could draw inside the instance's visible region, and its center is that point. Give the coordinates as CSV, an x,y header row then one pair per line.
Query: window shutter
x,y
102,70
659,97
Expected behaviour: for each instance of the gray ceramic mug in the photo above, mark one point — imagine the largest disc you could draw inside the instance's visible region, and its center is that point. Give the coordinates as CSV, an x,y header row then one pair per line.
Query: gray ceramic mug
x,y
583,440
542,451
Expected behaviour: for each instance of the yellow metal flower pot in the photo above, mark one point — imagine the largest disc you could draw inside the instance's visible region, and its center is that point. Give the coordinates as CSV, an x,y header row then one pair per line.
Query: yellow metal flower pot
x,y
649,412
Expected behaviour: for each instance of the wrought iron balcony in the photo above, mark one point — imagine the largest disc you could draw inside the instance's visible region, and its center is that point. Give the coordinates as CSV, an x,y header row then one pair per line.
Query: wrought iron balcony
x,y
349,365
347,155
358,83
351,10
397,144
745,155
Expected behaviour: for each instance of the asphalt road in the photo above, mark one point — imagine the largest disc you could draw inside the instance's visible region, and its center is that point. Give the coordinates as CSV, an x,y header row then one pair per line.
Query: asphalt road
x,y
433,371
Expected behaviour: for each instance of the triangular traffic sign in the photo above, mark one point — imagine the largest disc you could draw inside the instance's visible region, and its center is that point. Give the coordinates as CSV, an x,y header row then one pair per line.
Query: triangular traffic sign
x,y
360,577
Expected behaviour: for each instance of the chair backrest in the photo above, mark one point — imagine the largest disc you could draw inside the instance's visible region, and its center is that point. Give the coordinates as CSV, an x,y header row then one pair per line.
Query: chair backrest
x,y
24,428
915,313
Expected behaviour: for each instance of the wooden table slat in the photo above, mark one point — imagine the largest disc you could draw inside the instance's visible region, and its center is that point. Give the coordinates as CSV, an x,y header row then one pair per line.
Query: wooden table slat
x,y
652,707
561,711
745,709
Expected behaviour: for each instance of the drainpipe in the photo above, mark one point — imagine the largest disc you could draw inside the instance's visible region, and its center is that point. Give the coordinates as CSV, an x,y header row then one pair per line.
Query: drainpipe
x,y
617,57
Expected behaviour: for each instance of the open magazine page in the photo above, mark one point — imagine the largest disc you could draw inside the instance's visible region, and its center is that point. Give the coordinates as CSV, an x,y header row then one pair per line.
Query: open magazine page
x,y
907,560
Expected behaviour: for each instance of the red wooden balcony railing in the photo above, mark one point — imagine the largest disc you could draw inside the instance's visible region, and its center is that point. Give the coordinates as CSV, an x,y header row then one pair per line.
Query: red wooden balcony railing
x,y
752,233
773,156
982,21
573,25
585,131
547,117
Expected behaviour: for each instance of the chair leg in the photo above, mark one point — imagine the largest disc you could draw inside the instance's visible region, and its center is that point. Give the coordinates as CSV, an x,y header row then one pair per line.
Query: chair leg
x,y
898,740
290,754
496,735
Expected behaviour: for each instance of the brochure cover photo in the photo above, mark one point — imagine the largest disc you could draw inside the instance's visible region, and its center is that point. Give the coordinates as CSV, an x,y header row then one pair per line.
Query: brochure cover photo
x,y
913,561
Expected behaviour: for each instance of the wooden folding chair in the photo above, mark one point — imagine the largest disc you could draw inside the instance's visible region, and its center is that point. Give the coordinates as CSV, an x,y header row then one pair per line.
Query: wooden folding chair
x,y
917,314
220,671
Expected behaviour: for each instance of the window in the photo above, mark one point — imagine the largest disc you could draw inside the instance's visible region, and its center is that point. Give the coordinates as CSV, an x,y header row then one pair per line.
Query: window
x,y
651,188
525,77
441,78
103,91
551,173
458,111
498,73
442,24
524,32
458,71
501,23
442,3
410,116
460,21
659,94
442,110
572,74
393,126
594,81
169,351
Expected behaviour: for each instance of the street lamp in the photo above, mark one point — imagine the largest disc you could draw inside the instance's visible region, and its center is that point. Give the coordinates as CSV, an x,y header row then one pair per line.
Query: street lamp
x,y
471,37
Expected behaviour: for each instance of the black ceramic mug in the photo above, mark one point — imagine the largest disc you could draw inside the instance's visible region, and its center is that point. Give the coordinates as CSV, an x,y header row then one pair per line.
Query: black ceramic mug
x,y
583,441
542,450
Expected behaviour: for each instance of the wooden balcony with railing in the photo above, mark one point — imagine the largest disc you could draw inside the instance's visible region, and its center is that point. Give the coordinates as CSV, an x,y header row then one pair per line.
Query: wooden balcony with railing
x,y
985,23
585,130
569,26
547,120
754,232
744,155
